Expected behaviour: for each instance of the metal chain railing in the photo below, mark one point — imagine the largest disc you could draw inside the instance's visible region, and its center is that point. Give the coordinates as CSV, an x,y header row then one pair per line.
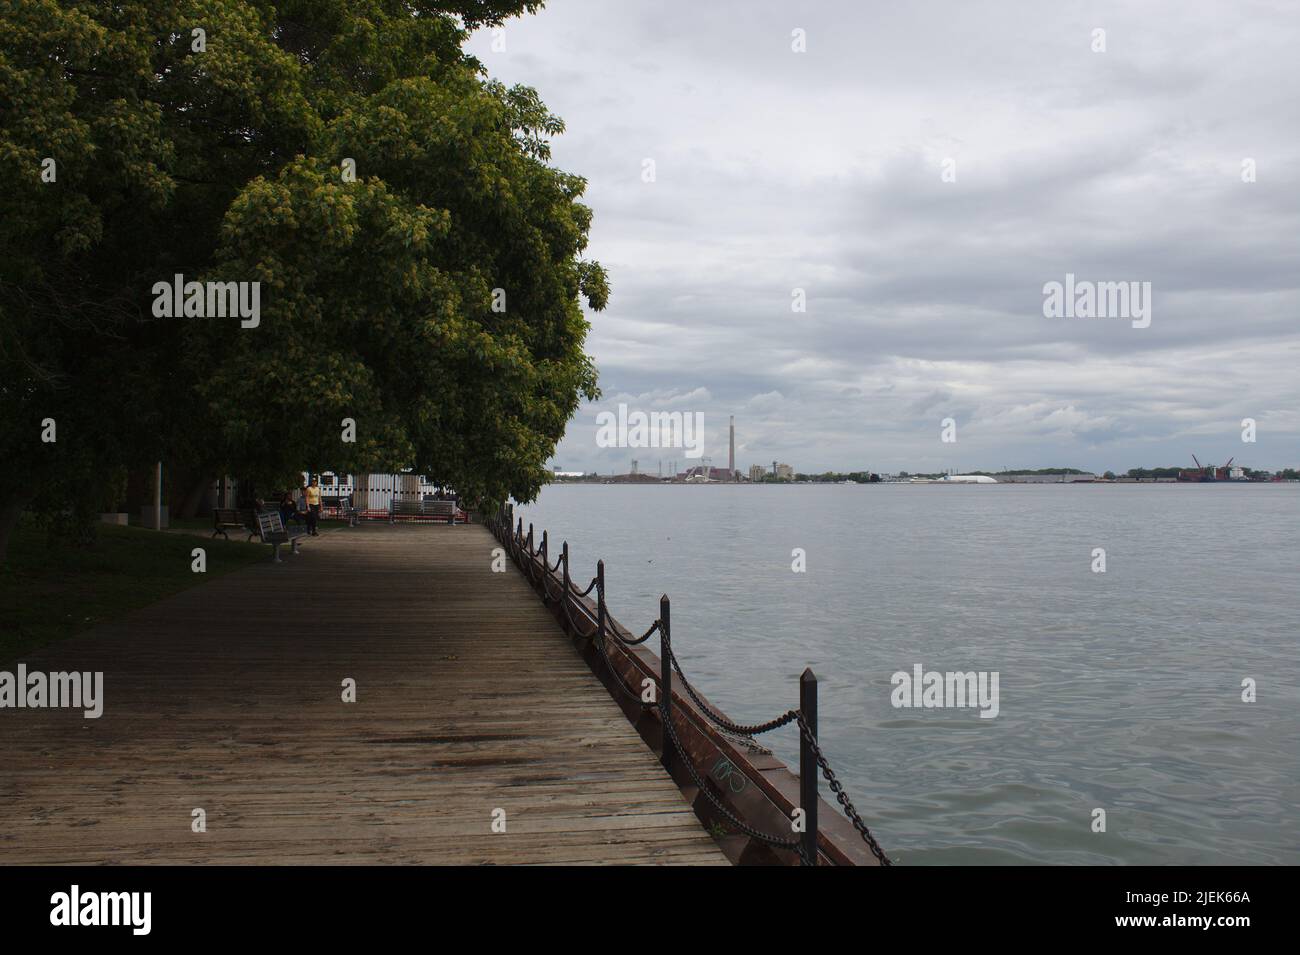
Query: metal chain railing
x,y
524,554
751,744
731,817
841,796
618,679
786,718
573,624
654,628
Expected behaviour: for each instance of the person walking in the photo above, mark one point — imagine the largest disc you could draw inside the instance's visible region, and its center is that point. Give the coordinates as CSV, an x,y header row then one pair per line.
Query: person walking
x,y
312,493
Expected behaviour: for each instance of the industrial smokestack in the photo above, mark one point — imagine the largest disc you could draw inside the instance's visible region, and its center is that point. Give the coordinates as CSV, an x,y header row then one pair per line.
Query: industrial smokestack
x,y
731,453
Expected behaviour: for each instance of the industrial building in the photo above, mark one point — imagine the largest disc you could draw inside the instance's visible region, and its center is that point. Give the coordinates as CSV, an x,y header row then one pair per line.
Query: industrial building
x,y
1203,473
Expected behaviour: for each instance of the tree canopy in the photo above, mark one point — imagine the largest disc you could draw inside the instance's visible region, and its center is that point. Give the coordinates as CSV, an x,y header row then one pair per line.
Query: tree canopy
x,y
419,260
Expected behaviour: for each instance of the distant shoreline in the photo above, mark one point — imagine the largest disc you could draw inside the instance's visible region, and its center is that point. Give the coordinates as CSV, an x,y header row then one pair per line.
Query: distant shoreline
x,y
1128,482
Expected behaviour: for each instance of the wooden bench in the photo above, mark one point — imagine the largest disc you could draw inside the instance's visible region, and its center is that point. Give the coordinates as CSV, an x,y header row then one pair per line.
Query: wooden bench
x,y
422,509
272,531
233,518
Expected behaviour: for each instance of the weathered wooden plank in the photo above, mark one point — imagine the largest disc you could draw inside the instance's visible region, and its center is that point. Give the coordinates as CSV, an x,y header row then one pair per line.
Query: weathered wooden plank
x,y
227,698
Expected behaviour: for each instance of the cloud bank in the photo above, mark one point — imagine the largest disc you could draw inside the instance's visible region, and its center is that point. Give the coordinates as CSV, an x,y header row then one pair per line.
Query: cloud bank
x,y
920,172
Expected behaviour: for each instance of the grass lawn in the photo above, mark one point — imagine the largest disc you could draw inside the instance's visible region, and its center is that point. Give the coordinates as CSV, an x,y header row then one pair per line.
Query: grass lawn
x,y
189,523
48,594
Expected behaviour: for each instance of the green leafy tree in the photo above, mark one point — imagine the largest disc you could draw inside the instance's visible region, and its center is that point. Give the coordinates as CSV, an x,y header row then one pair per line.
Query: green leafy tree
x,y
433,298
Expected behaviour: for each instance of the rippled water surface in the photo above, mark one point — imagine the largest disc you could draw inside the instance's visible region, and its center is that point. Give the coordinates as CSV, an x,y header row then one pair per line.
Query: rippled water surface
x,y
1119,691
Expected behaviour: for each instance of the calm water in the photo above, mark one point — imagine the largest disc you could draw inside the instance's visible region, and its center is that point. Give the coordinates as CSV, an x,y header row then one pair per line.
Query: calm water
x,y
1119,690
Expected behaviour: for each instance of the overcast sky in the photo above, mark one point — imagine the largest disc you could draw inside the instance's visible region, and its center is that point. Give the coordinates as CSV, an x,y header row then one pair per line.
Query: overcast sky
x,y
823,170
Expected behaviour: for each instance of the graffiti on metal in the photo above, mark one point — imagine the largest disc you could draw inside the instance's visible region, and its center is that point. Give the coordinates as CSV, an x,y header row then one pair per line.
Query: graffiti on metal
x,y
725,771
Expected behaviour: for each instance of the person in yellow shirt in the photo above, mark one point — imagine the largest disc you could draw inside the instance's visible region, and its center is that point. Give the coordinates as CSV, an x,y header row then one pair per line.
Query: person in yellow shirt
x,y
312,493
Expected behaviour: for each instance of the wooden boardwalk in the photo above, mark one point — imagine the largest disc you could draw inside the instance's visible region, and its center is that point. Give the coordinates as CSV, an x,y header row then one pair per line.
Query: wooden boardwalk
x,y
227,698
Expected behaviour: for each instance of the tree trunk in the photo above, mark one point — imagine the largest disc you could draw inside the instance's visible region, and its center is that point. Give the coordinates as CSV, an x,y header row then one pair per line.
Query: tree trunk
x,y
10,511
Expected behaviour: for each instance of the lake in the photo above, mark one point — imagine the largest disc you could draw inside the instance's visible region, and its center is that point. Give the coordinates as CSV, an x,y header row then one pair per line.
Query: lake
x,y
1118,690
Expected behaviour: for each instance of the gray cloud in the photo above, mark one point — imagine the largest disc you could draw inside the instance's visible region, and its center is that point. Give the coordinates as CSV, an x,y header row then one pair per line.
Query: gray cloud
x,y
821,171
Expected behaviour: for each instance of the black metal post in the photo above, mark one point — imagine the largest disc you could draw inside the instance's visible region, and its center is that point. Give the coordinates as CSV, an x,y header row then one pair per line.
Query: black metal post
x,y
564,595
808,766
600,601
666,678
546,569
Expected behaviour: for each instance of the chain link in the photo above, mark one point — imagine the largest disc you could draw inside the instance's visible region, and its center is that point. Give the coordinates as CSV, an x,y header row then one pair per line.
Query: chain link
x,y
582,593
841,796
573,625
671,733
789,716
618,679
654,627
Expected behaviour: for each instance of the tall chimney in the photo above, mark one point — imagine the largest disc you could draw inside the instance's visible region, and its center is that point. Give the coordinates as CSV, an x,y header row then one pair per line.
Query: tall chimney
x,y
731,452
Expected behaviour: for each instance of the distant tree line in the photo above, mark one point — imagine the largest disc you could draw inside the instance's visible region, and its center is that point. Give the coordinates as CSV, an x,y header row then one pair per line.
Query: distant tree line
x,y
1251,473
830,477
1146,474
1030,471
